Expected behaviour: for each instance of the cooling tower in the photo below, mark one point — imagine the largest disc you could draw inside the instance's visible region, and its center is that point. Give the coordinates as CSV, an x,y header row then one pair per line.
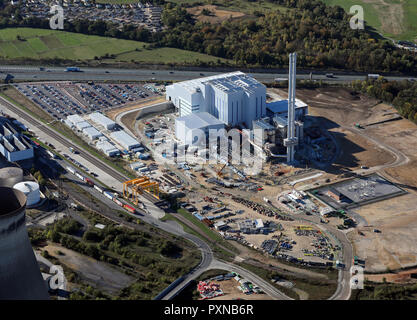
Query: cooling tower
x,y
20,277
10,176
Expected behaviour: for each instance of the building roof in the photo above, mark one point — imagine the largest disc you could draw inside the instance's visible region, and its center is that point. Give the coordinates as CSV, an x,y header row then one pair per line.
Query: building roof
x,y
101,119
261,123
228,82
92,132
280,121
106,147
82,125
124,139
199,120
281,106
75,118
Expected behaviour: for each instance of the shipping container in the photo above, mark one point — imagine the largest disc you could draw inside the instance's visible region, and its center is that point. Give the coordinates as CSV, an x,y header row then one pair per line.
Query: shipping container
x,y
71,170
108,195
98,188
129,208
79,176
89,182
118,202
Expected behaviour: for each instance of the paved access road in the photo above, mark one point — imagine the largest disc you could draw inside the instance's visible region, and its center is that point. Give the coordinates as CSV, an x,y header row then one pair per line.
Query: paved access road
x,y
117,74
169,226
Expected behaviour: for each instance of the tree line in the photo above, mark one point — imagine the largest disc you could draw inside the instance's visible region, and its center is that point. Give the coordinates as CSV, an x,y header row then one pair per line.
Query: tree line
x,y
320,34
401,94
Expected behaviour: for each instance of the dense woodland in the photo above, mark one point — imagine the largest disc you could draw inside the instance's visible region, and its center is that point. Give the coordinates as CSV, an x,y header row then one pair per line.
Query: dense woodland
x,y
401,94
320,34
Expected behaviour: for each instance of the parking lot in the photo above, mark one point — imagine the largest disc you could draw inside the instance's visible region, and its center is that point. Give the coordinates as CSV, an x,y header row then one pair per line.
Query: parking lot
x,y
61,99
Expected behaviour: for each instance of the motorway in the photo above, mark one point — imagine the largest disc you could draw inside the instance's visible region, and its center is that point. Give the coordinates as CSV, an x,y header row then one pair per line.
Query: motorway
x,y
32,73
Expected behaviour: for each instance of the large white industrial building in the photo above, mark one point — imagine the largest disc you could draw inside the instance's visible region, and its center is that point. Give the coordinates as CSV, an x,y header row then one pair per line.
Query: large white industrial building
x,y
234,98
107,148
13,145
238,100
125,140
102,120
187,128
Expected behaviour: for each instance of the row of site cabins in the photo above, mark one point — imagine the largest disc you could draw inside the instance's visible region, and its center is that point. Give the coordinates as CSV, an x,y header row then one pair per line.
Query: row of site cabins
x,y
107,194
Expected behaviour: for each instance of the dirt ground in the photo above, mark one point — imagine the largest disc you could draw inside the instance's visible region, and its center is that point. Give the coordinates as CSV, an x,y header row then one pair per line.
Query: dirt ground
x,y
400,277
339,110
231,292
112,114
396,246
100,274
216,16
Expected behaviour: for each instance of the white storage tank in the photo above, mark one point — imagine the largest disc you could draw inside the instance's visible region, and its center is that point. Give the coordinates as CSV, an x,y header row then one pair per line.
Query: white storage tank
x,y
31,191
10,176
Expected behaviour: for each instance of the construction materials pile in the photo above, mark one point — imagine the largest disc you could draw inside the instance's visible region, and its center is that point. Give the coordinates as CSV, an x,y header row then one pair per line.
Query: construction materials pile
x,y
209,290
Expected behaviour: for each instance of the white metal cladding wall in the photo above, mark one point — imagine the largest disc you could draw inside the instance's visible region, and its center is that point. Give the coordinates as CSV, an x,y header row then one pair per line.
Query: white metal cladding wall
x,y
125,140
102,120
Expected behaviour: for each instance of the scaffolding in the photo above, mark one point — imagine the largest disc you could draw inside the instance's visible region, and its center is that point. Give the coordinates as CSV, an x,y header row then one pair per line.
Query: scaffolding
x,y
139,186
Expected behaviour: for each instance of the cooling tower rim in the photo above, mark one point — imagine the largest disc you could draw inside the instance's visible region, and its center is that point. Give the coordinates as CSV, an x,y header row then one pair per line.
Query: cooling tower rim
x,y
21,197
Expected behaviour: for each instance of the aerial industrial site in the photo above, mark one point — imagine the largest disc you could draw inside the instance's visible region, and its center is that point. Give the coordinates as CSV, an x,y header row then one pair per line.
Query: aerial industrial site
x,y
207,172
172,156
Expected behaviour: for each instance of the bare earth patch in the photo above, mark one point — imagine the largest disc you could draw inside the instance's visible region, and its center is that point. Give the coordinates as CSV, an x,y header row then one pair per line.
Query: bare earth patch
x,y
391,15
216,16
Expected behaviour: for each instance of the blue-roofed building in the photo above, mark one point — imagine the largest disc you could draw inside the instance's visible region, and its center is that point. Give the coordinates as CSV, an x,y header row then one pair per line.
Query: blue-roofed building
x,y
280,108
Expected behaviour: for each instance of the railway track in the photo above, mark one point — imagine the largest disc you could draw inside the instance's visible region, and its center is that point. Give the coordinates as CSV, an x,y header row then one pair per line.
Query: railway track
x,y
99,164
112,172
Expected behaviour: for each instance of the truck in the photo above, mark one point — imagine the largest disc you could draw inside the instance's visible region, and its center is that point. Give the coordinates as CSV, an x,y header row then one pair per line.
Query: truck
x,y
129,208
51,154
71,170
373,76
72,69
89,182
108,195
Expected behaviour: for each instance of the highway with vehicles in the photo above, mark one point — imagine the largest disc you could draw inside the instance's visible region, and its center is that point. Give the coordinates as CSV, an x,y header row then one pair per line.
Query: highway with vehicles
x,y
32,73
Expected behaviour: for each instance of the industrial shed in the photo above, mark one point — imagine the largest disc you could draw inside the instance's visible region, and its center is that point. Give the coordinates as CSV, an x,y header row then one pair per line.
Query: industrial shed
x,y
103,120
125,140
92,133
187,128
82,125
107,148
74,119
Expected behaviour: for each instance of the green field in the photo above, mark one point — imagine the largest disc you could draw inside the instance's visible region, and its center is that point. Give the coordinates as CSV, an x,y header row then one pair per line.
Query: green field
x,y
396,19
42,44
